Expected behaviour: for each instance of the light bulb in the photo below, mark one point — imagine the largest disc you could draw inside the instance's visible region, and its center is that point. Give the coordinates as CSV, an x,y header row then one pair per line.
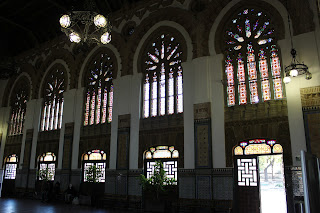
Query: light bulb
x,y
74,37
286,79
105,38
100,21
65,21
294,73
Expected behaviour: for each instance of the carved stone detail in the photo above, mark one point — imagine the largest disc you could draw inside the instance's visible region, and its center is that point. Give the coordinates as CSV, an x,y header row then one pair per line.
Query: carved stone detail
x,y
310,97
202,111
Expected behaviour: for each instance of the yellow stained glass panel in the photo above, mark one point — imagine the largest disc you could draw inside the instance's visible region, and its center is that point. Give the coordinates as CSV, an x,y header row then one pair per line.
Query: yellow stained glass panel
x,y
253,149
277,148
238,151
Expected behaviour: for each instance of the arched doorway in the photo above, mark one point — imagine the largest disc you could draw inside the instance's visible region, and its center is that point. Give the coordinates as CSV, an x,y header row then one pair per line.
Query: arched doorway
x,y
259,177
10,170
167,155
94,158
47,166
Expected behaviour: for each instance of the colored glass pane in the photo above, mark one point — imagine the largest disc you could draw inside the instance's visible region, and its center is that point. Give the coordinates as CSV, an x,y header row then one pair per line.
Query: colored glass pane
x,y
253,149
146,97
230,81
179,91
110,104
154,96
242,82
238,150
252,75
162,90
277,148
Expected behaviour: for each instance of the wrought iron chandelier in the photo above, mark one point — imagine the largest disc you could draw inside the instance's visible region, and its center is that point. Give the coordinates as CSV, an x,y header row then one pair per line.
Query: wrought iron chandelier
x,y
86,26
295,68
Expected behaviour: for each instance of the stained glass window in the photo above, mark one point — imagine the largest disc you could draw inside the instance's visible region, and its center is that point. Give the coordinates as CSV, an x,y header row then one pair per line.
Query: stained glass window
x,y
257,147
52,112
162,84
99,95
47,166
95,158
11,163
18,110
169,158
252,57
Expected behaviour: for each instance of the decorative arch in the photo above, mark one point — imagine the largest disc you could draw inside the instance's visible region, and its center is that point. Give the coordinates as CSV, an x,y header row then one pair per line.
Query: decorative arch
x,y
175,18
19,96
28,73
217,31
54,85
88,61
57,56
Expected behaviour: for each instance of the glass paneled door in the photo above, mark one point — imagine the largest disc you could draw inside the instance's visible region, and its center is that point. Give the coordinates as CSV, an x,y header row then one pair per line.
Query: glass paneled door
x,y
259,177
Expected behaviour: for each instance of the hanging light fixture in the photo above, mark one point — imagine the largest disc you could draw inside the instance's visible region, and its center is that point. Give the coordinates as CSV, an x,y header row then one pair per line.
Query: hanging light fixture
x,y
86,26
295,68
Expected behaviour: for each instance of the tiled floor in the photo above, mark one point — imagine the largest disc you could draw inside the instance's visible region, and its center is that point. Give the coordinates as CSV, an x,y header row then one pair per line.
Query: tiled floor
x,y
12,205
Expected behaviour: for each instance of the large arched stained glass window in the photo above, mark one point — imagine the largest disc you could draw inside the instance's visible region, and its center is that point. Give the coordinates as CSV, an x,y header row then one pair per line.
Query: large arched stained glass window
x,y
18,110
252,64
99,95
53,100
162,87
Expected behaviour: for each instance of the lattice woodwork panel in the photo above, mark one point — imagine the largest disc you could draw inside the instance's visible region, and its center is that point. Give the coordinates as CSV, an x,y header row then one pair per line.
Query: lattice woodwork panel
x,y
51,168
10,171
99,165
150,169
247,172
171,168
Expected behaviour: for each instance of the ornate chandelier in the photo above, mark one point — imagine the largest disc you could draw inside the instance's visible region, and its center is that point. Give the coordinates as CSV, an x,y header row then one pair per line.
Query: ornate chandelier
x,y
295,68
86,26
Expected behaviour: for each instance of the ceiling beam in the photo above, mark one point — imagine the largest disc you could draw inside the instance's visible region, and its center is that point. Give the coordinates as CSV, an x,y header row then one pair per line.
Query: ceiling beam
x,y
34,38
58,5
